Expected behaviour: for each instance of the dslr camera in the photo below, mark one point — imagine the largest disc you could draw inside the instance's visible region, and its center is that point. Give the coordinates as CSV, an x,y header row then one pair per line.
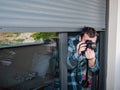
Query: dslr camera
x,y
90,44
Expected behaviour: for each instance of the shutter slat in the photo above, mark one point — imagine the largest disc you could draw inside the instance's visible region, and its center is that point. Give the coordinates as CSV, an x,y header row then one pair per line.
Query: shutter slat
x,y
52,13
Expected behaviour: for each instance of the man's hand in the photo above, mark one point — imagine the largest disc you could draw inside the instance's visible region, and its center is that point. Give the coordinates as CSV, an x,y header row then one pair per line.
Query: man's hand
x,y
81,46
90,55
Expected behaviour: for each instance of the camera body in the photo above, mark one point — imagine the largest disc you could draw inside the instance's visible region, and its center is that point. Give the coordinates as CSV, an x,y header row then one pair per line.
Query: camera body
x,y
90,44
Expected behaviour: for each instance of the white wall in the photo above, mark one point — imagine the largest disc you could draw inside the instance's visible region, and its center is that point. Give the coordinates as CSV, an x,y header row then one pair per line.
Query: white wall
x,y
117,63
113,59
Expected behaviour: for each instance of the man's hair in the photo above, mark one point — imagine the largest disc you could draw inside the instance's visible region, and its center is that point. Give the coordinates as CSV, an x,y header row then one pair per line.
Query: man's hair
x,y
91,32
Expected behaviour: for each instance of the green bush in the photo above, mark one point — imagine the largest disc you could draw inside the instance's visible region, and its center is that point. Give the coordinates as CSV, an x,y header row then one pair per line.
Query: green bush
x,y
43,35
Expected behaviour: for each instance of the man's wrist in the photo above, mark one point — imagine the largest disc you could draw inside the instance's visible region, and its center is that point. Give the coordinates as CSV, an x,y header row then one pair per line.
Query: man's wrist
x,y
91,62
92,59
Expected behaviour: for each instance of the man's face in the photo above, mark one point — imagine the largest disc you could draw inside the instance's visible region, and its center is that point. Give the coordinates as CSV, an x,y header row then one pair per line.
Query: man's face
x,y
86,37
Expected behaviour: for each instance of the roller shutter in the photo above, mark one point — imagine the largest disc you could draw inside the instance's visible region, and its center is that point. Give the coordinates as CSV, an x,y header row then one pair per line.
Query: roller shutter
x,y
52,13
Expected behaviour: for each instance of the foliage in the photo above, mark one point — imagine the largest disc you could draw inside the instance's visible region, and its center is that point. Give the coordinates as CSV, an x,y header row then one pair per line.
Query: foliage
x,y
43,35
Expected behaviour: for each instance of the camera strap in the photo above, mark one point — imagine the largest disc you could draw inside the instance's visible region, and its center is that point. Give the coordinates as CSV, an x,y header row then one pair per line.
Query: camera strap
x,y
85,82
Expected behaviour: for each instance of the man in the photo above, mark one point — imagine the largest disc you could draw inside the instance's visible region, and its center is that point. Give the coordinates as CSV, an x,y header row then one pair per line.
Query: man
x,y
82,59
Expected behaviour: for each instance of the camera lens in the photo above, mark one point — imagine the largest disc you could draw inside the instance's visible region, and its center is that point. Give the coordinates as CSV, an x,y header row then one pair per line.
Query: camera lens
x,y
93,46
90,44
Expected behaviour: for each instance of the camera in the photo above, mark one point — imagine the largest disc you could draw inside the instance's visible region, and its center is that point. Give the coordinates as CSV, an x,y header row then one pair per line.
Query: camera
x,y
90,44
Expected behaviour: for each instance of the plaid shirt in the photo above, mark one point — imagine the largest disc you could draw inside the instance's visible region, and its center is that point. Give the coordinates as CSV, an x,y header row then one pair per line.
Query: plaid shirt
x,y
72,61
76,75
